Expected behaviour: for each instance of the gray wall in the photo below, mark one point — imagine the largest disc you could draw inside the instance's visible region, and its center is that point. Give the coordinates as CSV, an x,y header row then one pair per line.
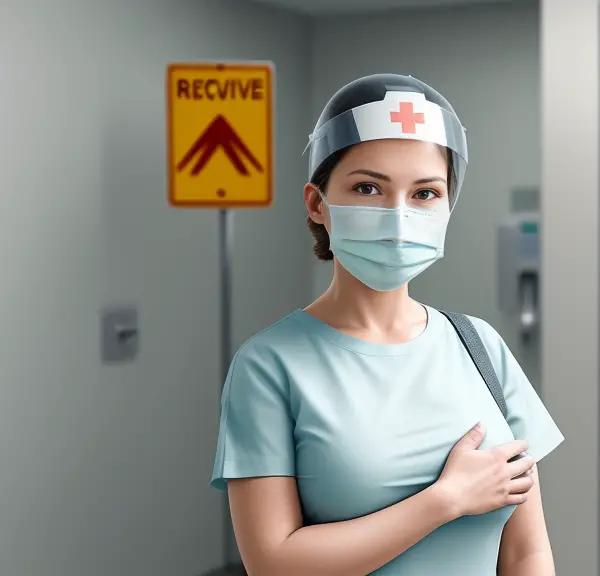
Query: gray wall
x,y
105,470
569,112
485,60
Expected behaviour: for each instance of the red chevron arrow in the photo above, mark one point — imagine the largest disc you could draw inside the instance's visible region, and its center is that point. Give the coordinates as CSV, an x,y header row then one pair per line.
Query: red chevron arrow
x,y
219,134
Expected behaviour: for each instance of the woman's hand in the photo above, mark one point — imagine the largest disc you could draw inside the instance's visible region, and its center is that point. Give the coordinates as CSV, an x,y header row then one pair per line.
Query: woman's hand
x,y
479,481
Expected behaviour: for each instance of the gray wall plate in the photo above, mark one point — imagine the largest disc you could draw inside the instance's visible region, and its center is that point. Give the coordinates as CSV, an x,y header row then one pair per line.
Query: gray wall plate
x,y
120,334
525,200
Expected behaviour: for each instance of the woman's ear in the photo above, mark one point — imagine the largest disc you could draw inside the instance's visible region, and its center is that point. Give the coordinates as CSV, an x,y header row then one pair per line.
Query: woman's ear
x,y
314,203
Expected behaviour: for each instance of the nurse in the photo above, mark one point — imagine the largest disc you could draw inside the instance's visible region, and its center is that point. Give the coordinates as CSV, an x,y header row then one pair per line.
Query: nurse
x,y
357,436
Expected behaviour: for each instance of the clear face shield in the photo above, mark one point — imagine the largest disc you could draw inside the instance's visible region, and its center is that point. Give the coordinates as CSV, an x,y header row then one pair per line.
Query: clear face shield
x,y
404,115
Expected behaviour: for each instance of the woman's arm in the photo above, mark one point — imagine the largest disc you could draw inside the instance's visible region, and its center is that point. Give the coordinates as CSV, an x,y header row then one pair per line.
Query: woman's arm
x,y
267,516
525,548
267,520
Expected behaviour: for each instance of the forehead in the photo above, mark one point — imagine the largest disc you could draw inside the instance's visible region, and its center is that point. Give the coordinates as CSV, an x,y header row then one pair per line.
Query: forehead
x,y
396,155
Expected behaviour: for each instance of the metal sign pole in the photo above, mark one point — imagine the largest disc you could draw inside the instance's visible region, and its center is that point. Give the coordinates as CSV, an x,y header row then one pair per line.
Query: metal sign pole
x,y
226,251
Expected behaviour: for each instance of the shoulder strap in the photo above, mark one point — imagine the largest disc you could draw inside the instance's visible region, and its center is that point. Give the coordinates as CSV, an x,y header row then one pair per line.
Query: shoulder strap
x,y
472,342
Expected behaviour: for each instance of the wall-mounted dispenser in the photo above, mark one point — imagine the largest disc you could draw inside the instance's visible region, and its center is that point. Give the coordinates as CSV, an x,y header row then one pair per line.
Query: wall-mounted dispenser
x,y
519,262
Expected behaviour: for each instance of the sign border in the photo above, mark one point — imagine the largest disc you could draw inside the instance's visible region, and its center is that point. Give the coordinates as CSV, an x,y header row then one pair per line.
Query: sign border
x,y
263,66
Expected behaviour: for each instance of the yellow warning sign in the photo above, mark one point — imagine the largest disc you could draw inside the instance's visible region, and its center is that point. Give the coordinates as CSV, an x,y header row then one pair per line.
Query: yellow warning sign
x,y
220,134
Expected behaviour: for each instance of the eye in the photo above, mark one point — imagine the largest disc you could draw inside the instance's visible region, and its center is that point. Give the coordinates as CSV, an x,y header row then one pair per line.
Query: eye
x,y
366,189
424,195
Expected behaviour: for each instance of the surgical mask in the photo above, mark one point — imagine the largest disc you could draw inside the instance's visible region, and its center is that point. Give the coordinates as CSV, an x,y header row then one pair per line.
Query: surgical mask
x,y
385,248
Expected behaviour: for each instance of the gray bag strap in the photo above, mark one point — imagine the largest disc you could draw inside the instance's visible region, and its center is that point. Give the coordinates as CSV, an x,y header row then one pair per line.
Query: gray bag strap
x,y
472,342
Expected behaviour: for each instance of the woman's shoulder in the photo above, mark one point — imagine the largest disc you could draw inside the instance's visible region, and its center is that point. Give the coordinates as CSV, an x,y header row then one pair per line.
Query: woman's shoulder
x,y
279,337
498,351
490,338
485,330
267,357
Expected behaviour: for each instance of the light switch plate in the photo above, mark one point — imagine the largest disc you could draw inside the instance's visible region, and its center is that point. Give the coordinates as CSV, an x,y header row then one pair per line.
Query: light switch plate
x,y
120,334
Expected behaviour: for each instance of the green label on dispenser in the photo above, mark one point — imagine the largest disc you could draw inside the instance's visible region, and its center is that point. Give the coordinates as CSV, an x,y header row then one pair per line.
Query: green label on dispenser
x,y
529,228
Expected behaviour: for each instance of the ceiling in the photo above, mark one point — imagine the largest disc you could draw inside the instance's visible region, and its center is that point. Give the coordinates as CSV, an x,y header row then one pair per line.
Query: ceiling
x,y
320,7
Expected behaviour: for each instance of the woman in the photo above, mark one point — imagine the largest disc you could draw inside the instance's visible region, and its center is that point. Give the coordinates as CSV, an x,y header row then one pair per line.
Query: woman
x,y
349,438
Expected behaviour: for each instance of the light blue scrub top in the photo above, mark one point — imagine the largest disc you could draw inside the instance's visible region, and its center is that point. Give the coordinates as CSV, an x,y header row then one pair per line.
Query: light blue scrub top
x,y
363,426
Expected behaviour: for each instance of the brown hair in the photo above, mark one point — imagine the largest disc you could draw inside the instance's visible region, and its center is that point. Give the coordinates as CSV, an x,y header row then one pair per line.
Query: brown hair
x,y
321,178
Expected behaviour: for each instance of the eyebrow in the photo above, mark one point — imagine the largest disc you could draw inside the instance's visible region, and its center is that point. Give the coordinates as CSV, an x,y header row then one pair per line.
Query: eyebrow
x,y
386,178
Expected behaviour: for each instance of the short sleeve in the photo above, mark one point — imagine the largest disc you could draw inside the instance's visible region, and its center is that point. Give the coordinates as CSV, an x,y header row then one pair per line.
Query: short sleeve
x,y
256,434
527,416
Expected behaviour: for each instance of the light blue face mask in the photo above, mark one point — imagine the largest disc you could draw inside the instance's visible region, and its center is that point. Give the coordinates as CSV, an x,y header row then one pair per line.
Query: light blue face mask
x,y
385,248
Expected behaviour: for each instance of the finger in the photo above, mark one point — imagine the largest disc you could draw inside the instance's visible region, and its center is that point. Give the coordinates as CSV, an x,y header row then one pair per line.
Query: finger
x,y
512,449
527,472
516,499
519,467
472,439
520,485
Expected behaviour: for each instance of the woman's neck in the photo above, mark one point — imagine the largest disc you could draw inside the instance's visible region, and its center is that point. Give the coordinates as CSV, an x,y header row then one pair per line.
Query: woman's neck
x,y
350,306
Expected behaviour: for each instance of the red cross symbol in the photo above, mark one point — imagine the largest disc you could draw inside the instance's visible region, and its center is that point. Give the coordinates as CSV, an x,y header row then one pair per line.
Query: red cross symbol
x,y
408,117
